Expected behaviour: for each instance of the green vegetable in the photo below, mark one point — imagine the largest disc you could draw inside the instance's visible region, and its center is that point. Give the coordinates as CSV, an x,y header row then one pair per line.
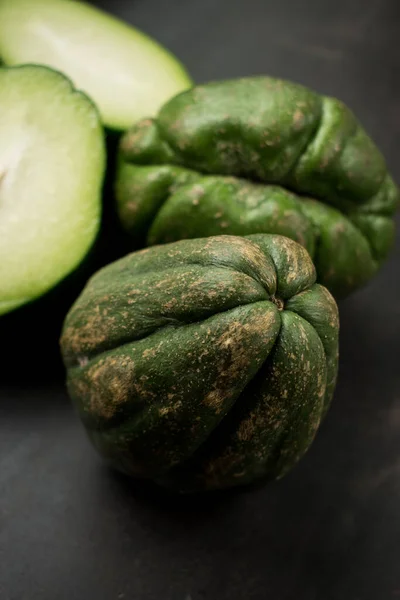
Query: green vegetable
x,y
257,155
124,71
205,363
51,171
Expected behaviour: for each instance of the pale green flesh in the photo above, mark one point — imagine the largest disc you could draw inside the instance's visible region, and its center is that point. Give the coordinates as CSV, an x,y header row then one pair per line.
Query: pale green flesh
x,y
126,73
51,171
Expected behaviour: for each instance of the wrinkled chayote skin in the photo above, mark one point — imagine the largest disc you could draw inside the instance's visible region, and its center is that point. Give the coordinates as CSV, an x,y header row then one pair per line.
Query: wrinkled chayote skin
x,y
258,155
206,363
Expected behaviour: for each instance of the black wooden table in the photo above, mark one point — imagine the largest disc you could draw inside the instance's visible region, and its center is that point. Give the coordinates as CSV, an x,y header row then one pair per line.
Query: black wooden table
x,y
71,530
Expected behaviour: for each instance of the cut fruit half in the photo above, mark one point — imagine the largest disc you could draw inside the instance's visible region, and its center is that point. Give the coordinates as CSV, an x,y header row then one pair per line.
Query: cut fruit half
x,y
52,161
127,74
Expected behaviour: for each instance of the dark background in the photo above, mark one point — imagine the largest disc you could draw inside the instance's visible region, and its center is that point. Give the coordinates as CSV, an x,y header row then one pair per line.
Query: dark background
x,y
70,529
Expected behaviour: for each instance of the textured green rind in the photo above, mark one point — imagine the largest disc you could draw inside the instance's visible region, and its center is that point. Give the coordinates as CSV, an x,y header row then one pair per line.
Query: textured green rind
x,y
317,307
258,155
205,363
175,385
272,426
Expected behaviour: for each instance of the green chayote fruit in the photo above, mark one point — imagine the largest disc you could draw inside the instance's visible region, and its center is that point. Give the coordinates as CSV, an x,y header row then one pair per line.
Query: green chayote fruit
x,y
261,155
205,363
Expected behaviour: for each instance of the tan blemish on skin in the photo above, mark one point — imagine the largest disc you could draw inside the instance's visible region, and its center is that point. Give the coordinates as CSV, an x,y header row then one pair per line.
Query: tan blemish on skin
x,y
154,176
142,252
303,334
167,282
297,257
268,413
109,385
339,228
227,342
198,282
267,143
171,304
212,294
196,193
203,354
249,426
89,335
239,474
166,410
230,341
248,250
291,275
174,253
149,352
322,385
214,399
131,208
133,137
298,118
255,430
235,358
